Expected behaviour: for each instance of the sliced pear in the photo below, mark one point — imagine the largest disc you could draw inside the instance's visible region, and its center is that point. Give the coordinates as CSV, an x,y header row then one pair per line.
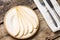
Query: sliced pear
x,y
29,24
13,28
20,22
25,25
21,30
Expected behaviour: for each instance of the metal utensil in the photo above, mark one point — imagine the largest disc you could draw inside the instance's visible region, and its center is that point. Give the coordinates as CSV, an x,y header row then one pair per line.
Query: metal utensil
x,y
49,14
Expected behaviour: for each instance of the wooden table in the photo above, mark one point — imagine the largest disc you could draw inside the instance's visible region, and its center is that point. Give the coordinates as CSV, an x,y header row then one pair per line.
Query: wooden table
x,y
44,32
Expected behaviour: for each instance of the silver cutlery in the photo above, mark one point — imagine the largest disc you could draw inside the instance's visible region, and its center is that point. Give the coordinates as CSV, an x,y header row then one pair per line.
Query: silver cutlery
x,y
51,13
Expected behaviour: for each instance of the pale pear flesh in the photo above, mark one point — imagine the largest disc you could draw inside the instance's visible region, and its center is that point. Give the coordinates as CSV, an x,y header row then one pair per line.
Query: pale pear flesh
x,y
8,18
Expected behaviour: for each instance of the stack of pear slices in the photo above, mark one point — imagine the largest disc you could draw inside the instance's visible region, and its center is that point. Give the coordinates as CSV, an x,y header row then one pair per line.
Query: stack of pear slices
x,y
21,22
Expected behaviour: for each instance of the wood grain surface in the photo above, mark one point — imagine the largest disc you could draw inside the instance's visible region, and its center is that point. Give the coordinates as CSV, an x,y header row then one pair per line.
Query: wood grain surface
x,y
44,32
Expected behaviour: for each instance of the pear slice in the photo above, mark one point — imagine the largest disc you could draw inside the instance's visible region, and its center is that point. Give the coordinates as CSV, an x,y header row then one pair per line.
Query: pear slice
x,y
21,30
29,24
20,22
11,22
25,25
